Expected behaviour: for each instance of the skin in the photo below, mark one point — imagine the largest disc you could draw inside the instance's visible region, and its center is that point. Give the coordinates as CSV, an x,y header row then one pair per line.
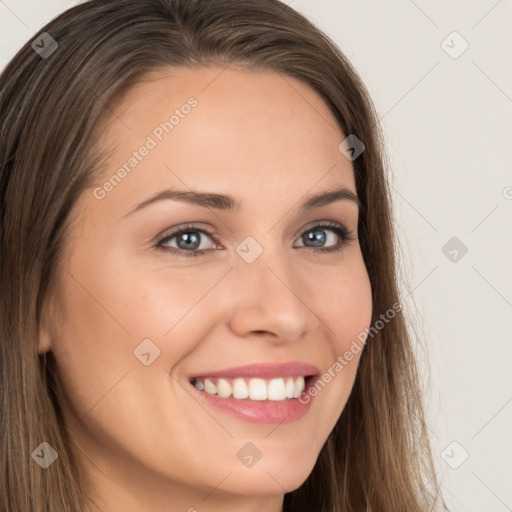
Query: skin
x,y
142,440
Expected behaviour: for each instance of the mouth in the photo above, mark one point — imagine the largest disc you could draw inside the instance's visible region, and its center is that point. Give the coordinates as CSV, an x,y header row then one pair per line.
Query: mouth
x,y
261,393
255,388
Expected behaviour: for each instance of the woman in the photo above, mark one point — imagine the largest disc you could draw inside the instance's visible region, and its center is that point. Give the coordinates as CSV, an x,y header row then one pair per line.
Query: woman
x,y
170,339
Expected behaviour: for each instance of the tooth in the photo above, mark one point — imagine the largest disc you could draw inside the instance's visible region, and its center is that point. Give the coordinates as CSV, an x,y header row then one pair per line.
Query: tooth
x,y
210,387
299,386
276,390
257,389
290,387
224,388
240,390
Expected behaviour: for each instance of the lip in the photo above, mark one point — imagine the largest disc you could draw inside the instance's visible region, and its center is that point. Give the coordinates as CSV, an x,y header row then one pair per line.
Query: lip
x,y
264,411
262,370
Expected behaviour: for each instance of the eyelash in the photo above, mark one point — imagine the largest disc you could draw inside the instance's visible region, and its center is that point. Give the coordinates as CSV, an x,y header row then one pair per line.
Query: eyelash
x,y
344,234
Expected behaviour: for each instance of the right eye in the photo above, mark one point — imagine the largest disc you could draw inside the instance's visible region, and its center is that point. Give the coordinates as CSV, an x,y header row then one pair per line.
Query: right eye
x,y
189,239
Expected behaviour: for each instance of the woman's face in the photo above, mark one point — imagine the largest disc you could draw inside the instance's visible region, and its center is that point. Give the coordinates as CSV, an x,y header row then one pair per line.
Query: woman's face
x,y
136,321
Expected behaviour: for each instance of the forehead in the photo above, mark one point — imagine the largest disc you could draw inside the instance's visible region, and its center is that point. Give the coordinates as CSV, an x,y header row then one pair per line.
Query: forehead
x,y
247,129
232,90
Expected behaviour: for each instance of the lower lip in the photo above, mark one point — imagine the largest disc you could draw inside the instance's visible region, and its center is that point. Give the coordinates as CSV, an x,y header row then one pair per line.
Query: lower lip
x,y
262,411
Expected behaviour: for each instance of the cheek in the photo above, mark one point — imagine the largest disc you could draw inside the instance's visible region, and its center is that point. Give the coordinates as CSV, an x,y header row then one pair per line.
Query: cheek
x,y
112,307
93,341
343,303
346,306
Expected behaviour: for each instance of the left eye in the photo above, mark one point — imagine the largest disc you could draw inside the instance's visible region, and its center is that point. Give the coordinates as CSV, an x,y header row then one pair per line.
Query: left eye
x,y
189,239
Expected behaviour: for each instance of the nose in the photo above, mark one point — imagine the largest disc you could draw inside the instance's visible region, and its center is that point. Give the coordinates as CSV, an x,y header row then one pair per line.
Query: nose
x,y
270,299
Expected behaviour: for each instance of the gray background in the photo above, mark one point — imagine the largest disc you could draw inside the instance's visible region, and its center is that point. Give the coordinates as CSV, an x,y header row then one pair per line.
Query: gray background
x,y
447,119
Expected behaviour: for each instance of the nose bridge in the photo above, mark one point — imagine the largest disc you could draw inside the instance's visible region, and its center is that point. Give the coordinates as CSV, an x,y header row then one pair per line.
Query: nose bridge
x,y
268,296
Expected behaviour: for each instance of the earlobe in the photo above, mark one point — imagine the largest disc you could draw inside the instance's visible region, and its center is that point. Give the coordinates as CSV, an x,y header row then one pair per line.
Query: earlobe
x,y
45,335
44,341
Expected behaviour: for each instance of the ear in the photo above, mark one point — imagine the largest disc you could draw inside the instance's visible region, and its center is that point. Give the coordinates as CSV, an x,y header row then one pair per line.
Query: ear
x,y
44,340
45,326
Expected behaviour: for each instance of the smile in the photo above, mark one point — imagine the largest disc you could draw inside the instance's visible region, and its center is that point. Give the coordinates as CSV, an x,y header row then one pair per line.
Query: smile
x,y
277,389
257,393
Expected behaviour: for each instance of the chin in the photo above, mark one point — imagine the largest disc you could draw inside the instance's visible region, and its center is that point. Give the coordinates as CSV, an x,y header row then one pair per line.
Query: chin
x,y
273,478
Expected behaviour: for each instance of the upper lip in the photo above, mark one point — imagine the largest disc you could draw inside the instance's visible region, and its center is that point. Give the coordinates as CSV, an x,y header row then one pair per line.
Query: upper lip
x,y
264,370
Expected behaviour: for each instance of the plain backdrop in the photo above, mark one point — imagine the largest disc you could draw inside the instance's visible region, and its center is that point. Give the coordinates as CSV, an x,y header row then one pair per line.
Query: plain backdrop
x,y
440,76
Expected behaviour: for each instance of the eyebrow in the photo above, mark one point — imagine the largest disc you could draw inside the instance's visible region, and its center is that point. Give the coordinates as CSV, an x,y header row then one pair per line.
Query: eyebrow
x,y
229,203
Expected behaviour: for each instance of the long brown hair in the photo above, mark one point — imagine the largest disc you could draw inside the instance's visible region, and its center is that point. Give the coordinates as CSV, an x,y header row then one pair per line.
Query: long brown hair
x,y
378,456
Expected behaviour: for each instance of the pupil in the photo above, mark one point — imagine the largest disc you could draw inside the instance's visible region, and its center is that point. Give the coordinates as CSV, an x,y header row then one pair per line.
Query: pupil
x,y
317,240
189,238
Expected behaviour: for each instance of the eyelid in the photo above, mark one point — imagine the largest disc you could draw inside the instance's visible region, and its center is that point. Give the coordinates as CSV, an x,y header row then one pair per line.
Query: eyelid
x,y
317,223
173,232
345,234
